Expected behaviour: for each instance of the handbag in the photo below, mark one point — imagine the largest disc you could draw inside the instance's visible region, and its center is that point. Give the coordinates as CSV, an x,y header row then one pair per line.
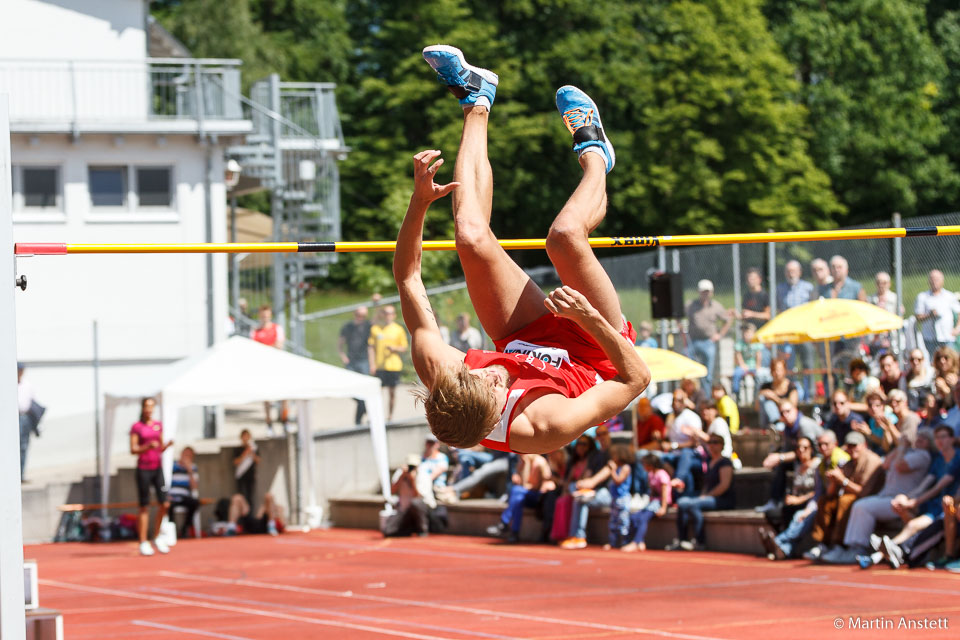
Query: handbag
x,y
36,412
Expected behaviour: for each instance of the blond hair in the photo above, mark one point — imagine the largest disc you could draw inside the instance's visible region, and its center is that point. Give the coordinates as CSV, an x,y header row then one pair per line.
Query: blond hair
x,y
460,408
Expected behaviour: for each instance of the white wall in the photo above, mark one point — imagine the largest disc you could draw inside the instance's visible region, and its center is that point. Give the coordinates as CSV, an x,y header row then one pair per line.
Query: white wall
x,y
150,308
73,29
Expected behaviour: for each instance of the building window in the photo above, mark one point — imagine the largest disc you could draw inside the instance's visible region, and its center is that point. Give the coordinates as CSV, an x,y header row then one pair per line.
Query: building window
x,y
108,186
154,186
40,187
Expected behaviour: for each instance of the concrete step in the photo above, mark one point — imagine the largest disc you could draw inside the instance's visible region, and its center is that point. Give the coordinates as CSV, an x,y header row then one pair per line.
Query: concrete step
x,y
732,531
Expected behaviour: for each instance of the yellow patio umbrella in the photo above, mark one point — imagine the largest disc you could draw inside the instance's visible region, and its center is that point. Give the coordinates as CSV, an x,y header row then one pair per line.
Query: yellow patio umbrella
x,y
827,319
669,365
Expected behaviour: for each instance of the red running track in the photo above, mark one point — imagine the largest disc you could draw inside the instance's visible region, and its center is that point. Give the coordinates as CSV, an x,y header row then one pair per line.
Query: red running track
x,y
354,584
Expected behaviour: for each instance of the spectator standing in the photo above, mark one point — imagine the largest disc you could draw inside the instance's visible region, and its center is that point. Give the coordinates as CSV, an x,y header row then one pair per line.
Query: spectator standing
x,y
717,494
726,407
843,286
576,470
412,514
704,315
271,334
884,297
590,492
466,336
183,488
649,430
352,345
30,413
793,292
935,310
532,479
862,475
946,368
388,340
841,419
146,442
795,426
245,461
645,335
756,301
822,278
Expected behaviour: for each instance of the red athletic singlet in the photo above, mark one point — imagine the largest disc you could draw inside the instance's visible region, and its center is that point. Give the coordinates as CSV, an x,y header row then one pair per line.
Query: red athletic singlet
x,y
550,352
266,335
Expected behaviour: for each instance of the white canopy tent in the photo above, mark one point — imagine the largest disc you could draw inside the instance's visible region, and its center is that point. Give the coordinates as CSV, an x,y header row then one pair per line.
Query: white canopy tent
x,y
239,371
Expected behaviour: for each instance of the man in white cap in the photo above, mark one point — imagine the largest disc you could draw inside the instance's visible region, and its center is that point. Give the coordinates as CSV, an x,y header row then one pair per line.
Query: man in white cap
x,y
704,314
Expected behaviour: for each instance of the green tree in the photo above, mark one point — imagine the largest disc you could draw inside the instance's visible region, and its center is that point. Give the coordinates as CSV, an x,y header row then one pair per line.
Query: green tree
x,y
871,78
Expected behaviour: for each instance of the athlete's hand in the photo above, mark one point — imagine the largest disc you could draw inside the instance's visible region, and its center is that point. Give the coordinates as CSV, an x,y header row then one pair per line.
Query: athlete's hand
x,y
424,188
567,302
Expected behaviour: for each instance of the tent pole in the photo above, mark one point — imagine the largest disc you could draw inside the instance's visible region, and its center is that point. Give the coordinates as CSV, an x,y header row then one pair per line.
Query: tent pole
x,y
826,344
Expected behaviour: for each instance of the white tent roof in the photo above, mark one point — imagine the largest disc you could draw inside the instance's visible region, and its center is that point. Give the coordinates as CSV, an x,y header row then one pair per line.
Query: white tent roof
x,y
239,371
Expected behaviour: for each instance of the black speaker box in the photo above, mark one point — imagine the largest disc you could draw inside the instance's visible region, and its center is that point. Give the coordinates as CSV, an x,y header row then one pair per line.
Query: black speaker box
x,y
666,295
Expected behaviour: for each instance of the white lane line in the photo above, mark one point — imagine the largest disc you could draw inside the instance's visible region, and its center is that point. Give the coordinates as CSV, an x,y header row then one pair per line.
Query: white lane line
x,y
433,606
876,587
195,632
242,610
339,614
421,552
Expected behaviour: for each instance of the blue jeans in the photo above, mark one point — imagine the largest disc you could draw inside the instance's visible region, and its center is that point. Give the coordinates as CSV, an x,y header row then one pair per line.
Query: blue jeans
x,y
770,415
684,461
799,527
581,511
640,520
690,512
619,521
704,352
519,499
471,461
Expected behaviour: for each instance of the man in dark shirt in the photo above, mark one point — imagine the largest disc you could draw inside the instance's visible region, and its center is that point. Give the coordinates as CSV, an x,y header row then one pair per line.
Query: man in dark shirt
x,y
756,302
891,377
352,345
842,418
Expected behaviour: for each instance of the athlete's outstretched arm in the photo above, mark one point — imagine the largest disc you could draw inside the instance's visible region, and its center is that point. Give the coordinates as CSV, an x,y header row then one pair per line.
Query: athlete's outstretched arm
x,y
552,421
428,350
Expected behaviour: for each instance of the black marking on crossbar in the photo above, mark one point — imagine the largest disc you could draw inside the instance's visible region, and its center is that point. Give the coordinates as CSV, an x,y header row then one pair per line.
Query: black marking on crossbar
x,y
316,247
635,241
920,231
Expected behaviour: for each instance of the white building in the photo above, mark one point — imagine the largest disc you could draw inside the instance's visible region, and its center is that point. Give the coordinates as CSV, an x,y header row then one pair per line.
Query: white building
x,y
109,145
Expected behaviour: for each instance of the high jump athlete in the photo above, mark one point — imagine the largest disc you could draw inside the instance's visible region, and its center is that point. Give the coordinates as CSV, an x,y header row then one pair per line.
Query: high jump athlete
x,y
564,362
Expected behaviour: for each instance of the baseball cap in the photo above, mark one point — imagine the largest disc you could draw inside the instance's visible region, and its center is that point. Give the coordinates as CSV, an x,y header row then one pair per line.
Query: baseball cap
x,y
855,438
413,460
704,285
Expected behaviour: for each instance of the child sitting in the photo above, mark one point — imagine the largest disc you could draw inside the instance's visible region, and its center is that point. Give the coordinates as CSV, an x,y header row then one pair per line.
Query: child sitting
x,y
749,359
660,499
620,464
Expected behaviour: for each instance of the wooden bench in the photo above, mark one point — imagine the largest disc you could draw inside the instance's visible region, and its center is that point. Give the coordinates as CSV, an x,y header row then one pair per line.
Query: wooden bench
x,y
44,624
67,509
732,531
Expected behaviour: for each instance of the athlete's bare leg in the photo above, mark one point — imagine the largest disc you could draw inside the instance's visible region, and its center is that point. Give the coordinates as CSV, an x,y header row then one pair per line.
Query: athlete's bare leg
x,y
504,297
568,246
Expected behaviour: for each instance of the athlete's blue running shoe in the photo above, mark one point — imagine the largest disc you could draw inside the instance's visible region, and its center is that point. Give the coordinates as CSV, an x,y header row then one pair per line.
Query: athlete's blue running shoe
x,y
582,118
471,85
